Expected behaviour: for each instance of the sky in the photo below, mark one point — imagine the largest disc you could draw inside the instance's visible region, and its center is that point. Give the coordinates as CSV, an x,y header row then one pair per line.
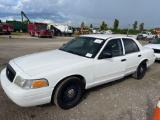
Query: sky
x,y
74,12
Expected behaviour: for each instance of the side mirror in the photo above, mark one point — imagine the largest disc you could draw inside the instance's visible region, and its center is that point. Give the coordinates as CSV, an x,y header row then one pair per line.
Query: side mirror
x,y
104,55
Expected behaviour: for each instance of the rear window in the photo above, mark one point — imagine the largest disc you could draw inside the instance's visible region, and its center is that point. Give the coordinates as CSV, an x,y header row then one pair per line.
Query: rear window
x,y
130,46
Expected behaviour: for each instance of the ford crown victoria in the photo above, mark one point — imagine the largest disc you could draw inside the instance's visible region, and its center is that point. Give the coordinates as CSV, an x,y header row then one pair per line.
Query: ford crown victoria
x,y
61,76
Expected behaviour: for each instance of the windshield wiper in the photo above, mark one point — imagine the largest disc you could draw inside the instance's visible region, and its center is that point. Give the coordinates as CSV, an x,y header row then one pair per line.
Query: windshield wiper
x,y
70,51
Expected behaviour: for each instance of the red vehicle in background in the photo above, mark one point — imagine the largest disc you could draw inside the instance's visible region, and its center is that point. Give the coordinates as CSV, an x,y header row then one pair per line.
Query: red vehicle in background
x,y
6,28
39,30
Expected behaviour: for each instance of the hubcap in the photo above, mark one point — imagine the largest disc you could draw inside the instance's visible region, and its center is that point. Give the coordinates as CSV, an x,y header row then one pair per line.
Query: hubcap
x,y
71,93
141,70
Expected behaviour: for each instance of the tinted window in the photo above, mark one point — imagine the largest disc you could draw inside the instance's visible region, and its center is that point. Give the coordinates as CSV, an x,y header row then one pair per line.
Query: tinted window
x,y
114,47
156,41
130,46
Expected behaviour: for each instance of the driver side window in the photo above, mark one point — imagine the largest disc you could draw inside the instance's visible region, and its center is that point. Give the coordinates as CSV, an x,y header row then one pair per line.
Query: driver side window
x,y
114,47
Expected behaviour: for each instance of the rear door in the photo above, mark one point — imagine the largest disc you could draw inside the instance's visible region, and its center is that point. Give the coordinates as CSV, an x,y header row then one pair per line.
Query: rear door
x,y
132,53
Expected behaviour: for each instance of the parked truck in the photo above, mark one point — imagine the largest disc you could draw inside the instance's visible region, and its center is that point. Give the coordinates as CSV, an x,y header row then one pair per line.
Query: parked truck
x,y
6,28
39,30
18,26
59,29
145,35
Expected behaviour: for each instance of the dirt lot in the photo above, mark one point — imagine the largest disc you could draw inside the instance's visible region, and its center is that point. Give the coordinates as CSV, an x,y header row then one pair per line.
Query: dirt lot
x,y
125,99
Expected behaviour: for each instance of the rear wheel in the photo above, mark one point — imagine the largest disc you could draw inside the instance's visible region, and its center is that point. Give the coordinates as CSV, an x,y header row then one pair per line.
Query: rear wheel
x,y
141,70
8,32
69,92
31,34
145,38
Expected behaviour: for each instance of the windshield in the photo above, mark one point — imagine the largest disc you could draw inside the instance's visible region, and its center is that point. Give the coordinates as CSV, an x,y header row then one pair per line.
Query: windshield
x,y
156,41
42,27
143,32
83,46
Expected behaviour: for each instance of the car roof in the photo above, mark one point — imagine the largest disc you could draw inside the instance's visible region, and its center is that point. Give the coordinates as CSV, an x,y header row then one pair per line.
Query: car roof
x,y
105,36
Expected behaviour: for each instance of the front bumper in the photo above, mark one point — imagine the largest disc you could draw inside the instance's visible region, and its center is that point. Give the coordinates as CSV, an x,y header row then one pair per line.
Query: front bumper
x,y
25,98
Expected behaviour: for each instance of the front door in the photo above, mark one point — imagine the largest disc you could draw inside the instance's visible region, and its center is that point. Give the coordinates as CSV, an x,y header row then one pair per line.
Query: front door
x,y
109,69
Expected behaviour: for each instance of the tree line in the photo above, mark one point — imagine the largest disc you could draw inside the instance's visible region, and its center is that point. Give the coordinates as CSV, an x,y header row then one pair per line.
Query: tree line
x,y
115,29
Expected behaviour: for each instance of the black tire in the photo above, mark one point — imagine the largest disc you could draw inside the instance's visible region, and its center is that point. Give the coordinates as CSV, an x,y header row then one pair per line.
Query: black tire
x,y
145,38
141,70
137,38
8,32
39,35
31,34
68,93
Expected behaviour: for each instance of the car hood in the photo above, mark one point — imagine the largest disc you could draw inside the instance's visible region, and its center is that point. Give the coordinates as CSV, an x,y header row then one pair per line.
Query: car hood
x,y
45,61
153,46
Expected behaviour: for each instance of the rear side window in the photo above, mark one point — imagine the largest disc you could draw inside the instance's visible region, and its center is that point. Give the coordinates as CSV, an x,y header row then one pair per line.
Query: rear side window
x,y
130,46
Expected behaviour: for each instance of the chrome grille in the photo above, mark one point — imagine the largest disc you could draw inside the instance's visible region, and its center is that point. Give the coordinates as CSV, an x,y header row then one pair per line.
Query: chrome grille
x,y
10,73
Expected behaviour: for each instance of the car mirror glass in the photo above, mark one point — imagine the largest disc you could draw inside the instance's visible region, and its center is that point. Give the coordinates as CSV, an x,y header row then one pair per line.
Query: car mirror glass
x,y
105,55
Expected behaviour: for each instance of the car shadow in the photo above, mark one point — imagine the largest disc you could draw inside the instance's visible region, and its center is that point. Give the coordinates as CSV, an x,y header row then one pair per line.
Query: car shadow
x,y
157,61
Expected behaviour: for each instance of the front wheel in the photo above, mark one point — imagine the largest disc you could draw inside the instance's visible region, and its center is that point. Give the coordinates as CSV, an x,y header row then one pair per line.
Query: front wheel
x,y
138,38
69,92
145,38
141,70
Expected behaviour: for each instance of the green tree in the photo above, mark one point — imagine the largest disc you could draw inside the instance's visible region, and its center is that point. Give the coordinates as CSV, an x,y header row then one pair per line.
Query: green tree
x,y
91,26
141,26
103,26
116,24
135,25
82,25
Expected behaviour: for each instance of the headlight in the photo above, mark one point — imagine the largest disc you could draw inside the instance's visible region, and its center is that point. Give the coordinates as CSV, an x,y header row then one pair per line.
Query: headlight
x,y
19,81
31,84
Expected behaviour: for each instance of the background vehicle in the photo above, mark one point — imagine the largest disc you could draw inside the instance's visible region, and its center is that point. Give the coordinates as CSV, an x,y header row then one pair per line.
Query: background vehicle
x,y
39,30
155,45
108,32
18,25
145,35
59,29
6,28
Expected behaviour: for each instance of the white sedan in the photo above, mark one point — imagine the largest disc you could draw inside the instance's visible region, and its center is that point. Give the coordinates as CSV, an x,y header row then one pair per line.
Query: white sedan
x,y
61,76
155,45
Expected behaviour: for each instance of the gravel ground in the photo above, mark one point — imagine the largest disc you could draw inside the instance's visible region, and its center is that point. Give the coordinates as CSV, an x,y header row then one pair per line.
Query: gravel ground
x,y
125,99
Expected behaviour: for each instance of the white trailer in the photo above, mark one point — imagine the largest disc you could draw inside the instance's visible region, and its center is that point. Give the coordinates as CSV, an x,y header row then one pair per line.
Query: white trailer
x,y
59,29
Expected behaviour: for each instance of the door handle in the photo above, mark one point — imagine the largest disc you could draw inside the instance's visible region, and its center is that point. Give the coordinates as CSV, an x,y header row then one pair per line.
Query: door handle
x,y
123,60
139,55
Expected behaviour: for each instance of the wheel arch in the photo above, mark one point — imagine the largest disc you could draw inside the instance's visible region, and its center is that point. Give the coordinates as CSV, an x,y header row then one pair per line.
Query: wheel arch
x,y
144,60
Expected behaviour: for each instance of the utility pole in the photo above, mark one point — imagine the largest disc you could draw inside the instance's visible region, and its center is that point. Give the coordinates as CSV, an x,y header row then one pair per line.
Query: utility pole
x,y
128,30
